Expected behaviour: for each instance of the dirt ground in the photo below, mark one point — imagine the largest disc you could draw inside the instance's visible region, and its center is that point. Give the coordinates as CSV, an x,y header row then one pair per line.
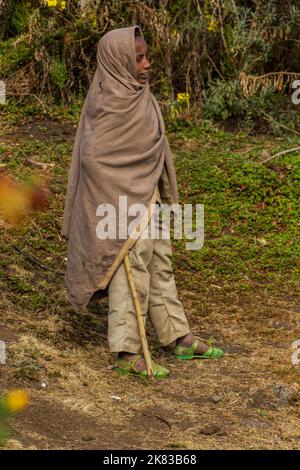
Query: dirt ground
x,y
249,399
246,400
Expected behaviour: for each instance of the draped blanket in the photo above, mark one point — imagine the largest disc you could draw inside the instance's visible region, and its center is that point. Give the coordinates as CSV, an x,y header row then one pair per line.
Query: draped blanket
x,y
120,149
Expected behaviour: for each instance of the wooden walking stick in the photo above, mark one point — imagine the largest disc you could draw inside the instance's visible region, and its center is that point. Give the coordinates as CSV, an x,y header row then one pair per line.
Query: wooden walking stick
x,y
139,317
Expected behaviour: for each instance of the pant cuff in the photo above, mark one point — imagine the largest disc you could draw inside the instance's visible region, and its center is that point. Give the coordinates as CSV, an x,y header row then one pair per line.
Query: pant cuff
x,y
125,348
175,335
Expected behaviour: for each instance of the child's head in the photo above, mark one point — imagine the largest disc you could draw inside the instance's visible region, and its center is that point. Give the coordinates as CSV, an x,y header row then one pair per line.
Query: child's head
x,y
142,63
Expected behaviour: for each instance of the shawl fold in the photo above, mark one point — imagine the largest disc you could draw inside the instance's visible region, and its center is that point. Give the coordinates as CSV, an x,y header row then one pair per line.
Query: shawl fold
x,y
120,149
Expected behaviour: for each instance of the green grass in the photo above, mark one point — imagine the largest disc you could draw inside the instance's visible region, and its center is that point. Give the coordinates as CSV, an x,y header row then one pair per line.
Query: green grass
x,y
251,209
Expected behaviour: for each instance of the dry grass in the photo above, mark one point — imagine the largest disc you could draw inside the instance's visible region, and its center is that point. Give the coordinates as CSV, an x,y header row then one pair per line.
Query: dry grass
x,y
247,400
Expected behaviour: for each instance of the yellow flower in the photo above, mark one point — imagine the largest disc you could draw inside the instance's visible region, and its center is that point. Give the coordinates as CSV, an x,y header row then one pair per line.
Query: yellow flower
x,y
15,401
174,34
212,27
93,19
183,97
55,3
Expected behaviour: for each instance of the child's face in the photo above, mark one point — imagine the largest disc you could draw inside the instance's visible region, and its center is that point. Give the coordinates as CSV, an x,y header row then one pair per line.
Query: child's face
x,y
142,63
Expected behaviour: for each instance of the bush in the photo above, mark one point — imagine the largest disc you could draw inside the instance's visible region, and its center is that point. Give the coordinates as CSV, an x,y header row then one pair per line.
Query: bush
x,y
233,57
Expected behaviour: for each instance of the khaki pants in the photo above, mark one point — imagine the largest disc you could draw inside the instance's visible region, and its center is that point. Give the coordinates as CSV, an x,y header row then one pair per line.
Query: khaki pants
x,y
151,266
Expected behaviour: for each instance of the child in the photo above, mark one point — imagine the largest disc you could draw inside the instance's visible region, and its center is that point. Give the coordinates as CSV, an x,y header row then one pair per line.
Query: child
x,y
121,149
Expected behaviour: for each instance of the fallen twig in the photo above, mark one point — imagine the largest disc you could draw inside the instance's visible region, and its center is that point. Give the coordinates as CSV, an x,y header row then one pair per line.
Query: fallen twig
x,y
270,118
37,262
283,152
163,420
61,161
29,162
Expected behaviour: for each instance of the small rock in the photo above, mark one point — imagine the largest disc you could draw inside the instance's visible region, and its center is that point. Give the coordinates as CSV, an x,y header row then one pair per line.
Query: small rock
x,y
253,423
210,429
285,393
216,398
44,385
265,154
115,397
88,438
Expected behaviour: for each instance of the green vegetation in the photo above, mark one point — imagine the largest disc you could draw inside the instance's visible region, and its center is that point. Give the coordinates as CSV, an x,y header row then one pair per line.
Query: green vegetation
x,y
236,59
251,210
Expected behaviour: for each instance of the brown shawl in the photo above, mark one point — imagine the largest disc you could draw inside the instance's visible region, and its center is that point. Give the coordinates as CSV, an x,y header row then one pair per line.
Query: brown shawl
x,y
120,149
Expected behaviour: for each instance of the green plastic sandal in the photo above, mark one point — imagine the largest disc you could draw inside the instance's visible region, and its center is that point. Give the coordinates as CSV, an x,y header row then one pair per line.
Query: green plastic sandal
x,y
124,367
184,352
